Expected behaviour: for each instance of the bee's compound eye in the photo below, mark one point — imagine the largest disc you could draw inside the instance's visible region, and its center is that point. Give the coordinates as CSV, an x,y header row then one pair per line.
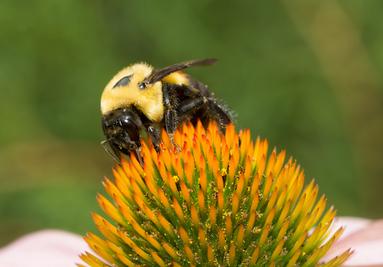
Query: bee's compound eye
x,y
124,81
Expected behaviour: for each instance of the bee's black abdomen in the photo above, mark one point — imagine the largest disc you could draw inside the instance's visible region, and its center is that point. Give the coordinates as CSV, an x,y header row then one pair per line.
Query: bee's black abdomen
x,y
193,103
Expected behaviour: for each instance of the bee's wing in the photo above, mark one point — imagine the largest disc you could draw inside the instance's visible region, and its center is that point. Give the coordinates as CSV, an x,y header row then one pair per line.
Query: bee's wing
x,y
161,73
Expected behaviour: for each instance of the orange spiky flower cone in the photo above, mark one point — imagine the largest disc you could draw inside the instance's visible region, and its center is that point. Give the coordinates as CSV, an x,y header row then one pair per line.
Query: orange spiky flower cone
x,y
220,200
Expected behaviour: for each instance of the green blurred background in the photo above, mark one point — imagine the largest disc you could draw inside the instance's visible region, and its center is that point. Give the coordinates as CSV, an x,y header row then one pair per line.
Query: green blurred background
x,y
304,74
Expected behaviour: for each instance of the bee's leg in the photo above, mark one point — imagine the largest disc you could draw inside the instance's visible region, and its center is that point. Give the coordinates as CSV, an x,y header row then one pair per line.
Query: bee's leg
x,y
171,117
155,135
214,111
220,113
111,150
190,106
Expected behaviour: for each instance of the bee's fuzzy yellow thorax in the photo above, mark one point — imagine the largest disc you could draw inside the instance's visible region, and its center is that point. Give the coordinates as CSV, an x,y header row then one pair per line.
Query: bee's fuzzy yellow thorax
x,y
179,78
148,100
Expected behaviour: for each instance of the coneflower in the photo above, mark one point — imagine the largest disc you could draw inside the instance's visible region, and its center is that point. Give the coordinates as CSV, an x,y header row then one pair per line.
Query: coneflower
x,y
216,200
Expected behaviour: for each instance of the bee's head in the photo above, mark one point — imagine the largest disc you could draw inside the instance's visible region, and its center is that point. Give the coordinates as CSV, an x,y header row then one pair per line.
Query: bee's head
x,y
126,87
122,128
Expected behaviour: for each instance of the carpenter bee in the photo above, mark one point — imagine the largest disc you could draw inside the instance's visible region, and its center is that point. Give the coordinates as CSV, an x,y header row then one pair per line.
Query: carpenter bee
x,y
143,99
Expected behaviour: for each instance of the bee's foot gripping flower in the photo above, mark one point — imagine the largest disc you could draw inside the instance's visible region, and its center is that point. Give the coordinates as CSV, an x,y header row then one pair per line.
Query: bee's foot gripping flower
x,y
220,201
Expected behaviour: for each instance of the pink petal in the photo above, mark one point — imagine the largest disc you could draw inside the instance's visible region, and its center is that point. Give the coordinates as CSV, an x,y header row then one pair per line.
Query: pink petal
x,y
59,248
47,248
363,236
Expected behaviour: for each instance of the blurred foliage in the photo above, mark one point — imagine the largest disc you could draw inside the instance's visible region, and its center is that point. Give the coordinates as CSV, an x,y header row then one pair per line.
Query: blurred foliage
x,y
277,71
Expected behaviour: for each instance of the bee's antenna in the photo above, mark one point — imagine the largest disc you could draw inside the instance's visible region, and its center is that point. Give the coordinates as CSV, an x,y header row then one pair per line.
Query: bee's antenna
x,y
108,149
